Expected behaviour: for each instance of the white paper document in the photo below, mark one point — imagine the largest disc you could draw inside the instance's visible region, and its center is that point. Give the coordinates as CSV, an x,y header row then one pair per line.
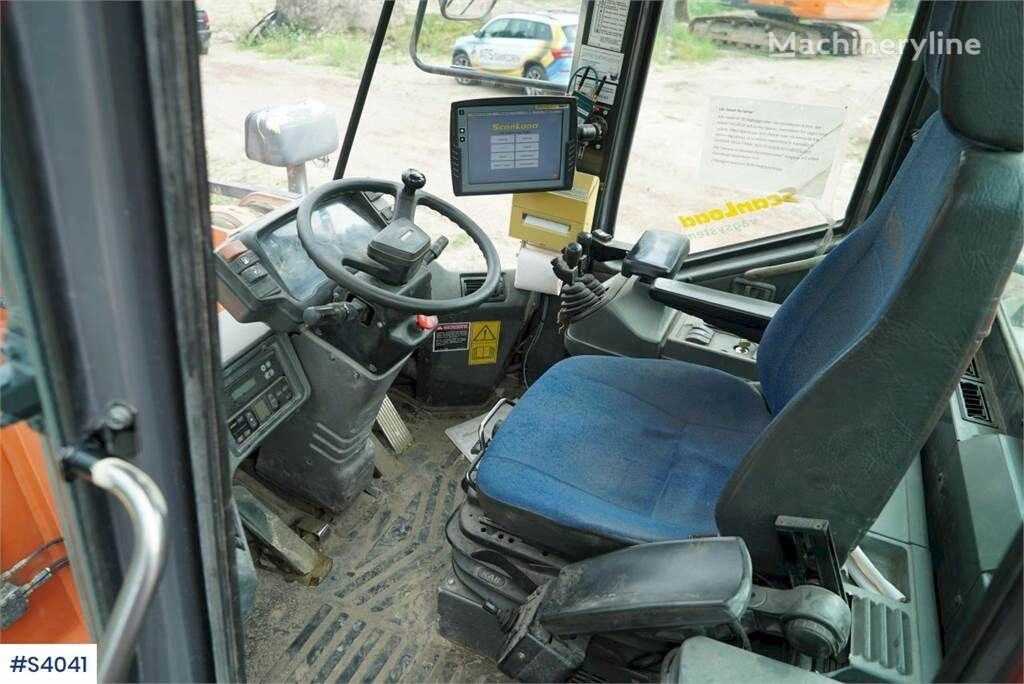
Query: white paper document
x,y
772,146
608,24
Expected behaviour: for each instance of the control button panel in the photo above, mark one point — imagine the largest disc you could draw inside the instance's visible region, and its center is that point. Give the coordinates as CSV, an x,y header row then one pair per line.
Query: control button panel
x,y
247,265
261,390
243,261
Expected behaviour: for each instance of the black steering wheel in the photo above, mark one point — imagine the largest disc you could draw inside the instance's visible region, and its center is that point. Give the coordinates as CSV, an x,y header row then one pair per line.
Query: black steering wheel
x,y
351,248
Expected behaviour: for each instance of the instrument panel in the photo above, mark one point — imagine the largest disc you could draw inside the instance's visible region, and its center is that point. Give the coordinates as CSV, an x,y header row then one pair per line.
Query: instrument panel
x,y
262,388
264,273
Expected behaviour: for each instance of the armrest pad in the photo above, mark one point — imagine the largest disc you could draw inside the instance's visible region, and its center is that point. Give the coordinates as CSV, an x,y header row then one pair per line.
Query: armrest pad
x,y
657,254
690,582
743,316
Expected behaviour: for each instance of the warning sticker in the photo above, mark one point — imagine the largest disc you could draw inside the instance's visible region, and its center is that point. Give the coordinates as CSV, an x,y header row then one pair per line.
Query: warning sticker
x,y
451,337
483,342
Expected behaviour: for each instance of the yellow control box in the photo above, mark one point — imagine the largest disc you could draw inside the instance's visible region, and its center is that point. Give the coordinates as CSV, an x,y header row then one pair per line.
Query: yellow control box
x,y
553,219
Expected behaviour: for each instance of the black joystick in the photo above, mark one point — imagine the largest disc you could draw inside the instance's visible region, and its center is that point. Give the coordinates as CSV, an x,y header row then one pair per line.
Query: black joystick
x,y
581,293
573,253
405,201
413,180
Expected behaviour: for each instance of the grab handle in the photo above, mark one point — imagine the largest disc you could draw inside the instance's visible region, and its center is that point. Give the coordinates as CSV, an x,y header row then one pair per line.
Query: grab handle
x,y
147,510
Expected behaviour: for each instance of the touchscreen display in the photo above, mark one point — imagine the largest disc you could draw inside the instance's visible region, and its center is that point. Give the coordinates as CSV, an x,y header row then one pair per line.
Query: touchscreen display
x,y
513,145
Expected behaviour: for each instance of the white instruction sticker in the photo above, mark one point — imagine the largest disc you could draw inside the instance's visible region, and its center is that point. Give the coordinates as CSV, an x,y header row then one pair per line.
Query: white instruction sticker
x,y
772,146
604,79
608,24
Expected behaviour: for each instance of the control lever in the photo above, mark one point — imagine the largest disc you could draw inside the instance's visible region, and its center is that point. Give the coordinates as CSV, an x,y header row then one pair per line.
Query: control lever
x,y
435,249
405,200
582,292
573,253
335,311
566,266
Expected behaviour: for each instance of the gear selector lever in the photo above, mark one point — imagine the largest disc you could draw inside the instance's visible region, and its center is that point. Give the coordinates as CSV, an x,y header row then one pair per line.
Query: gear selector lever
x,y
582,293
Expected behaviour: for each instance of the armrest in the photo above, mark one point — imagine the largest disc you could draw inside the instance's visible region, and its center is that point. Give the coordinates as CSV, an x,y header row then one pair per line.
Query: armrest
x,y
743,316
691,582
657,254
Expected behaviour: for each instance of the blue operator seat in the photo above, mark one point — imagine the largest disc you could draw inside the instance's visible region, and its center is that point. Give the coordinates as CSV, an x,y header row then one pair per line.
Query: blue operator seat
x,y
855,367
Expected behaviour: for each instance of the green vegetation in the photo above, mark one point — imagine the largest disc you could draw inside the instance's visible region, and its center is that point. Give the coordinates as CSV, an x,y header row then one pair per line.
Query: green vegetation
x,y
702,8
683,46
436,37
346,51
893,26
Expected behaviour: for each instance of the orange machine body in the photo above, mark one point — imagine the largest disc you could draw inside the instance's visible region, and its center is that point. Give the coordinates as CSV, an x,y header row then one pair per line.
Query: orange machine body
x,y
27,521
827,10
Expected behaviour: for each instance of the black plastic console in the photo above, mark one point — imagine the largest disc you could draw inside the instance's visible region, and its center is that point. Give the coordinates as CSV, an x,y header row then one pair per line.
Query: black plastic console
x,y
744,316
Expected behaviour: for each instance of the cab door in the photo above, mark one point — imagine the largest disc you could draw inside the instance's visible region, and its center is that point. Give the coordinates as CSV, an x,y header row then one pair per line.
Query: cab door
x,y
107,263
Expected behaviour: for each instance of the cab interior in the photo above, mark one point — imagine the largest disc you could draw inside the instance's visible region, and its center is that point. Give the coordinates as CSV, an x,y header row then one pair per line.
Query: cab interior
x,y
796,461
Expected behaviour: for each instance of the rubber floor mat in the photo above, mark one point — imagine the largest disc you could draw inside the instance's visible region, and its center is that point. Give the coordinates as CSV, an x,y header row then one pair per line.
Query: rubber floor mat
x,y
374,618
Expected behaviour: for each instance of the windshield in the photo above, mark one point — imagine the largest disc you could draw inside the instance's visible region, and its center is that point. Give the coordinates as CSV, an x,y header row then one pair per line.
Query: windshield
x,y
698,154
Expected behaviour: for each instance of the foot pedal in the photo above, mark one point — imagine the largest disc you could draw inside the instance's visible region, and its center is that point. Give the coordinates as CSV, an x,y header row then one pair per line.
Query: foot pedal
x,y
393,427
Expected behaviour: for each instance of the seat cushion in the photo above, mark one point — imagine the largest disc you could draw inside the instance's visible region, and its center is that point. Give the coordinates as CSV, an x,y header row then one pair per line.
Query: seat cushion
x,y
629,450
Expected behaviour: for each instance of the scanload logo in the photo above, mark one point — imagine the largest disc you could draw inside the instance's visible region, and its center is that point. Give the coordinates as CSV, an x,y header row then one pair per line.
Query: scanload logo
x,y
841,44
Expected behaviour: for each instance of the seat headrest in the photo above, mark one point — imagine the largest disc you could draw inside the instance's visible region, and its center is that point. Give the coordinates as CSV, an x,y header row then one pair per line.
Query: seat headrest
x,y
981,95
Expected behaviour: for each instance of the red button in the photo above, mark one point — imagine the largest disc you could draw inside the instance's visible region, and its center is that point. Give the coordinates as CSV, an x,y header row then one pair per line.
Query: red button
x,y
424,322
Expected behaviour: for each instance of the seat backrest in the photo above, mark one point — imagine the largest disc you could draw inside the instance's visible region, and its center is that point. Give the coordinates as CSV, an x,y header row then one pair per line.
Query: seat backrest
x,y
859,362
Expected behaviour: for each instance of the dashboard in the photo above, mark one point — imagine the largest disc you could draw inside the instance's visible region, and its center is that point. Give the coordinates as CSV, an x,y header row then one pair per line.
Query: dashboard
x,y
264,273
265,279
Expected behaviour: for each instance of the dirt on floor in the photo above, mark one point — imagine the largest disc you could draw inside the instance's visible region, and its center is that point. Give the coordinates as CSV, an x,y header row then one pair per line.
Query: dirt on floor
x,y
374,617
405,124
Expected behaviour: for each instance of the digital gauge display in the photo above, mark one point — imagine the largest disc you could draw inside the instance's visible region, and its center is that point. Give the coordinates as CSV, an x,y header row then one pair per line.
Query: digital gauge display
x,y
242,391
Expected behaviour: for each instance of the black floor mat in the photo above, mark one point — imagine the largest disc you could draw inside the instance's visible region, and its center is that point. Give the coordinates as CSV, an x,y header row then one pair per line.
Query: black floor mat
x,y
374,618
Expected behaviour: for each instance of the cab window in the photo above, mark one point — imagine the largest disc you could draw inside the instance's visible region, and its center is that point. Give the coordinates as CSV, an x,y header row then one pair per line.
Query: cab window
x,y
1012,306
540,31
718,120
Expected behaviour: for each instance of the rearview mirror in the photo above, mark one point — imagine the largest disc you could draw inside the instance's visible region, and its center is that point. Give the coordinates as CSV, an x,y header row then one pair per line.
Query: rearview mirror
x,y
466,10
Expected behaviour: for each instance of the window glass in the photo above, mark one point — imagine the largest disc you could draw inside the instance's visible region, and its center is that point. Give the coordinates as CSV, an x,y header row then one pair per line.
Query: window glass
x,y
540,31
570,32
497,29
255,62
518,28
1012,304
734,144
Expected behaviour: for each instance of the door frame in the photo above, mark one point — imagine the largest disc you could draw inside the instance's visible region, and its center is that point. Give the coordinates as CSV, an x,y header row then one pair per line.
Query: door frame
x,y
110,261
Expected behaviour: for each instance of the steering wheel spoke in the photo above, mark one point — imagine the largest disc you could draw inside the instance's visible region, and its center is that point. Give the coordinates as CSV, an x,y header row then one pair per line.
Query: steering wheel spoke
x,y
330,255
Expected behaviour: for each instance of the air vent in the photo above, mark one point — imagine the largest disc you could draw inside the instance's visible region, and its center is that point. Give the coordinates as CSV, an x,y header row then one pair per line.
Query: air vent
x,y
471,282
974,403
882,635
972,370
586,677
